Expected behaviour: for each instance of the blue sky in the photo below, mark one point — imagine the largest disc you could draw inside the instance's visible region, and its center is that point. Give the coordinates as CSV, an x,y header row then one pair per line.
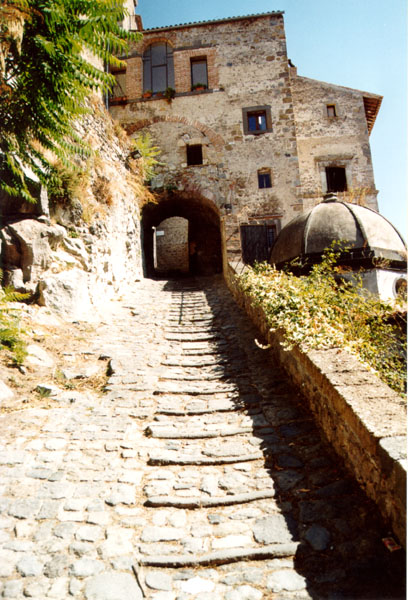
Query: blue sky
x,y
356,43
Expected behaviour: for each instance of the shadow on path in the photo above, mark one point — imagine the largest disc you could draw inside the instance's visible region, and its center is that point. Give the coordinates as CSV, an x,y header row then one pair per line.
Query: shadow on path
x,y
339,529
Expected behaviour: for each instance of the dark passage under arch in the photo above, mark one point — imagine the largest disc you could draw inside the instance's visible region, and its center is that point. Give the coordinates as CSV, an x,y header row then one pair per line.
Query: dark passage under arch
x,y
204,237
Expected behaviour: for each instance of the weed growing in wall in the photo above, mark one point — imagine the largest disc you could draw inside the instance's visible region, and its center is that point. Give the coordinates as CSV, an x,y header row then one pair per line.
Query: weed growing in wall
x,y
148,152
324,310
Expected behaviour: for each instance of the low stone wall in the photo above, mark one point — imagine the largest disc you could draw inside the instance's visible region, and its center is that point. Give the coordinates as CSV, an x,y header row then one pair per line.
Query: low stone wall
x,y
362,418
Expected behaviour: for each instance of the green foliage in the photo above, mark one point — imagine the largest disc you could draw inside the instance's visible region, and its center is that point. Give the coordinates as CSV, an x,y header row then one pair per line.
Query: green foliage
x,y
169,94
143,145
197,86
46,78
10,331
325,310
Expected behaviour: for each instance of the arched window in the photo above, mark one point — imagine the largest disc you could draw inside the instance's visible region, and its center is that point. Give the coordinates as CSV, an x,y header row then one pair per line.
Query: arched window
x,y
158,68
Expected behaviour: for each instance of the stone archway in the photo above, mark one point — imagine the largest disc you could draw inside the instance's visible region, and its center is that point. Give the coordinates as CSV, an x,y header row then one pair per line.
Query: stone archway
x,y
216,140
204,236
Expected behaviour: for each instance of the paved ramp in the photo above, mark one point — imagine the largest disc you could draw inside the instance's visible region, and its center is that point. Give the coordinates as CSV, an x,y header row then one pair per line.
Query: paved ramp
x,y
198,475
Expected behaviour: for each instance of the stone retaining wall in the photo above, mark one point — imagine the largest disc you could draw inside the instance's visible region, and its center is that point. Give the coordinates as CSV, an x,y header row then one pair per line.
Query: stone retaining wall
x,y
363,419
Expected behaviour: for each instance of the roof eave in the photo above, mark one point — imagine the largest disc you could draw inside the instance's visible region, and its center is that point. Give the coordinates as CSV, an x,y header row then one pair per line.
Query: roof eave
x,y
372,104
214,22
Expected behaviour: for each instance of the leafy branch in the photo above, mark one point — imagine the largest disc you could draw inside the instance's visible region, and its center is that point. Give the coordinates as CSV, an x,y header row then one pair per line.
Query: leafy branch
x,y
48,69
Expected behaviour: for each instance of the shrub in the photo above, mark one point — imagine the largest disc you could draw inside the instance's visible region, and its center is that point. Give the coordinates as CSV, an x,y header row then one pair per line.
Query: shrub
x,y
324,310
10,331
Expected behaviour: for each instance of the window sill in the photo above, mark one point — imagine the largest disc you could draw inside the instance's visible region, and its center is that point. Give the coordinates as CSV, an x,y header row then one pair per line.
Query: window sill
x,y
178,95
118,100
258,132
126,100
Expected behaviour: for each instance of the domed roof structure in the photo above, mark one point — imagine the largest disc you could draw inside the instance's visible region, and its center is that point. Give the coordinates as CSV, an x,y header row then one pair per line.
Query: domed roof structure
x,y
366,234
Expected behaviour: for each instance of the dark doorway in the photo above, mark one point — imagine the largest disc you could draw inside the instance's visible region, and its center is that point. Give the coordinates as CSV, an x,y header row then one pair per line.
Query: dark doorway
x,y
257,242
204,237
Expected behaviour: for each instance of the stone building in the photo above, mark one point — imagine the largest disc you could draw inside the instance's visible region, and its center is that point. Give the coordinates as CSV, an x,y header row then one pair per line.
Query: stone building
x,y
246,144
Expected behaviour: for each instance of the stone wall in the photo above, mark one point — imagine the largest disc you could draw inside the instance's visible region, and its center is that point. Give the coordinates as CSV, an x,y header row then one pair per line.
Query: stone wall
x,y
340,139
172,245
362,418
247,68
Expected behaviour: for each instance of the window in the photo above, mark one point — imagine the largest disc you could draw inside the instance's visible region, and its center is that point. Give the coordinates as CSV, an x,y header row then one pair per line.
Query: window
x,y
119,88
336,179
195,154
256,120
158,68
331,110
264,178
199,72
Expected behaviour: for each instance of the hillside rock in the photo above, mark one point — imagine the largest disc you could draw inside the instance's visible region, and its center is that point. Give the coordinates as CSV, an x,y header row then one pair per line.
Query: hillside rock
x,y
89,248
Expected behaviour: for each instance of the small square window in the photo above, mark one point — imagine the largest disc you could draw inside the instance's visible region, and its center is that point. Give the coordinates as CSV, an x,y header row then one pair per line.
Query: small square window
x,y
264,179
331,110
199,73
336,179
257,120
195,154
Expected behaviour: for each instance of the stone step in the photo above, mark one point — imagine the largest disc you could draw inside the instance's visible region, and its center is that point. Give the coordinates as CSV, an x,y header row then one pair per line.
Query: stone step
x,y
197,452
195,390
206,360
203,378
271,551
215,350
208,502
192,337
173,322
187,406
193,433
168,457
213,481
214,421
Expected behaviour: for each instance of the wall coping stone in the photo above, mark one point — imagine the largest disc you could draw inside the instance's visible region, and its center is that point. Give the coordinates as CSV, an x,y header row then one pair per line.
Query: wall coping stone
x,y
362,418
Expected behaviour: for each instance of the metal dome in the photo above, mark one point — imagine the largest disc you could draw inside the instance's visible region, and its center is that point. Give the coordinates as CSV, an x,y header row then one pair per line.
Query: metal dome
x,y
366,234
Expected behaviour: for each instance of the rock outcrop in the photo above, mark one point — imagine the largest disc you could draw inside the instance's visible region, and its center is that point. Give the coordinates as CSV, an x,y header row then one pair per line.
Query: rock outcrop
x,y
71,255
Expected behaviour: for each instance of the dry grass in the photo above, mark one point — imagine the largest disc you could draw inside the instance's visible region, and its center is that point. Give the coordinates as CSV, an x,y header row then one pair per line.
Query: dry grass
x,y
68,346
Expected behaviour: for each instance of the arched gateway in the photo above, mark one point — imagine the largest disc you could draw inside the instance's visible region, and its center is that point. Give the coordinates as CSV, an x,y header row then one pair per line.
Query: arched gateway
x,y
181,234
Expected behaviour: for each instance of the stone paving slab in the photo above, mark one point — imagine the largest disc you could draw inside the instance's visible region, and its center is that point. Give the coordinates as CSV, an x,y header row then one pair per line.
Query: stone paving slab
x,y
84,515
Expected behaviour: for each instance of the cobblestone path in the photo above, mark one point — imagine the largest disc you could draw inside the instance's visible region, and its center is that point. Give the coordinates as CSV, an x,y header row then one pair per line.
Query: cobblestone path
x,y
198,475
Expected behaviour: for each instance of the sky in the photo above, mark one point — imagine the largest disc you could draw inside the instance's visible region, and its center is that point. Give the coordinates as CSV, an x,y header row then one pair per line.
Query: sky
x,y
360,44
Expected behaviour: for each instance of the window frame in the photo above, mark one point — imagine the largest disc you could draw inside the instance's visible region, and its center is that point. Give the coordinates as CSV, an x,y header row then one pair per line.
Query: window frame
x,y
149,67
337,168
198,60
257,110
331,106
264,173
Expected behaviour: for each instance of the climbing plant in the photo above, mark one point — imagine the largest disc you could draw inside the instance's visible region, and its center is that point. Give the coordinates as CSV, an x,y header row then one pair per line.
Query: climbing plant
x,y
325,309
51,58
